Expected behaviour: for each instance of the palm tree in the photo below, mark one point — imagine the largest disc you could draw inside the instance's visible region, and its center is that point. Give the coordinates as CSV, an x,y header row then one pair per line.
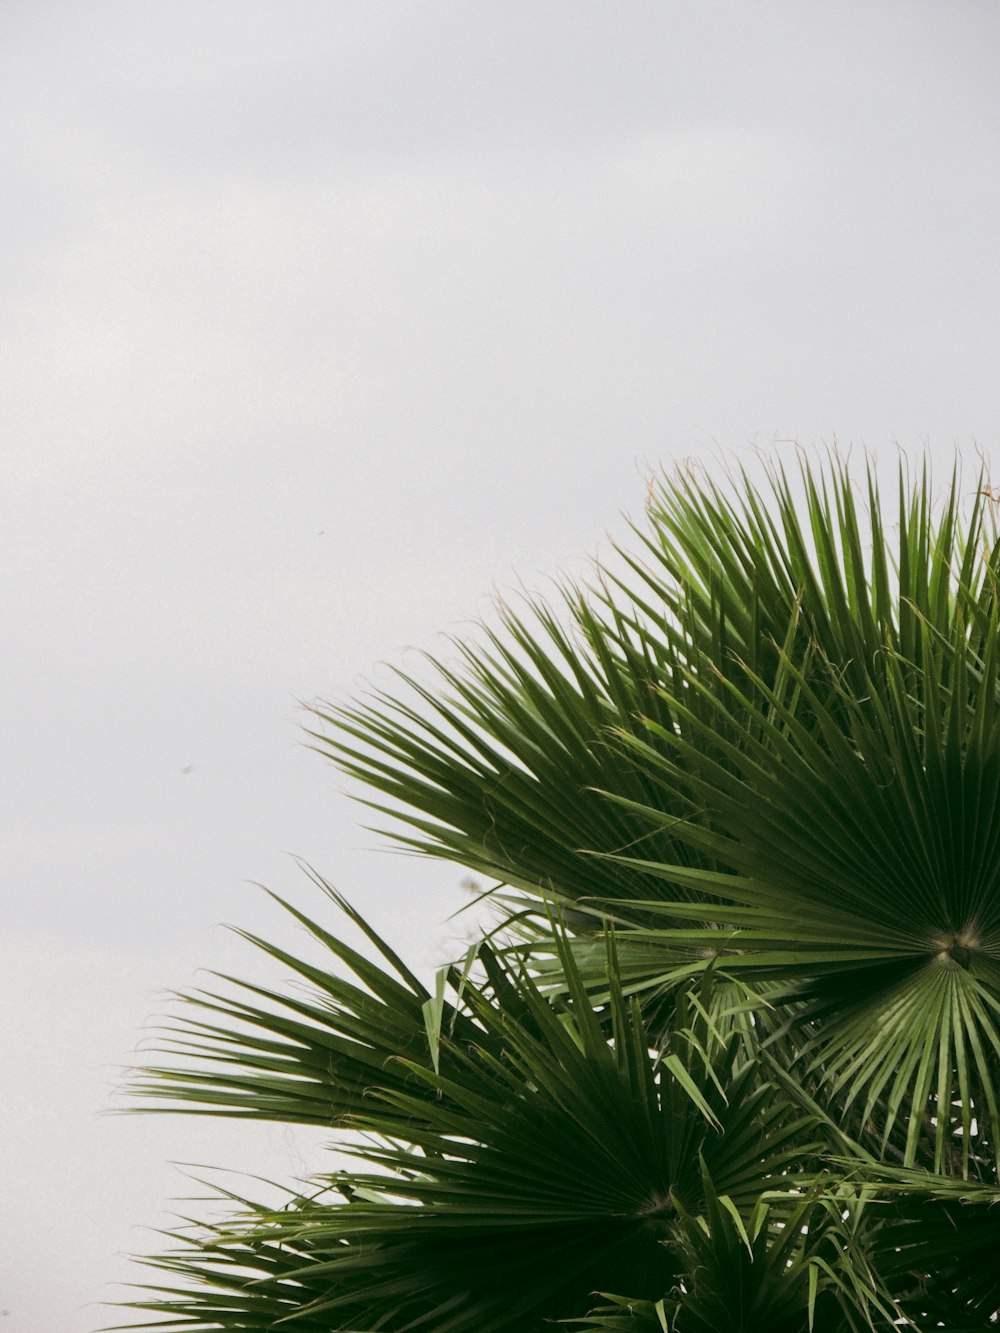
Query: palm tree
x,y
729,1058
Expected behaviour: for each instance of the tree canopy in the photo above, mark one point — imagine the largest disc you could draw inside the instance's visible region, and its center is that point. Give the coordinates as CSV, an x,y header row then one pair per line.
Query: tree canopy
x,y
728,1056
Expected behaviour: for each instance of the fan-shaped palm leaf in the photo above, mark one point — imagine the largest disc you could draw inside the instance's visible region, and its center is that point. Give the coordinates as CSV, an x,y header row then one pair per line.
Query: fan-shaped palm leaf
x,y
525,1154
500,765
863,846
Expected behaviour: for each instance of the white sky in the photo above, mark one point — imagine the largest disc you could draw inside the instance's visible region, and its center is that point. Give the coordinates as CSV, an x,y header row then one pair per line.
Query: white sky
x,y
317,321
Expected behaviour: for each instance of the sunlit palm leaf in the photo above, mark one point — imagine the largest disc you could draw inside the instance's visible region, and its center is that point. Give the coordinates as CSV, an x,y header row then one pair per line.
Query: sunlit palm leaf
x,y
500,763
498,767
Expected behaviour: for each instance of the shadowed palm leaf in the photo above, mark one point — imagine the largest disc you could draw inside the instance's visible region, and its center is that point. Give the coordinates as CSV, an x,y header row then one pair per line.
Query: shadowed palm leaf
x,y
788,1270
523,1154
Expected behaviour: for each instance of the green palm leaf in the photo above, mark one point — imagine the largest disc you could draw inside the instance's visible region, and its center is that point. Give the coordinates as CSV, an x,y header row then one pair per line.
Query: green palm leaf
x,y
863,853
540,1151
500,764
796,1266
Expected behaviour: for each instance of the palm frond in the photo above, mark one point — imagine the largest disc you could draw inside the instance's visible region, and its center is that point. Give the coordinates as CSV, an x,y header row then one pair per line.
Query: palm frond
x,y
538,1150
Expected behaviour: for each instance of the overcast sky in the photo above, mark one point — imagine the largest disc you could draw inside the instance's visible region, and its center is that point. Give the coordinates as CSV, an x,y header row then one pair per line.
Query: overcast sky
x,y
320,320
